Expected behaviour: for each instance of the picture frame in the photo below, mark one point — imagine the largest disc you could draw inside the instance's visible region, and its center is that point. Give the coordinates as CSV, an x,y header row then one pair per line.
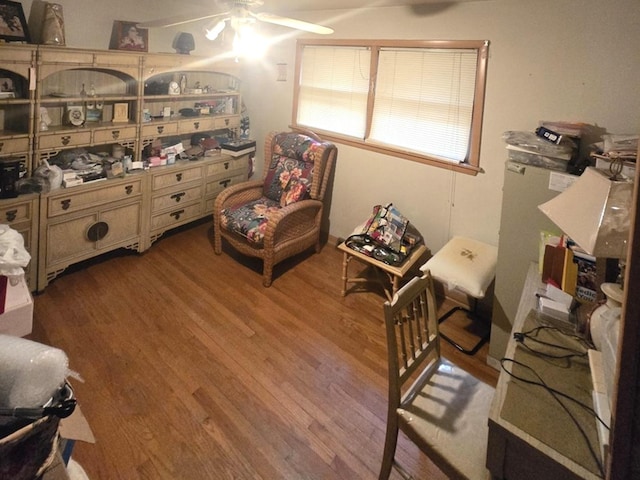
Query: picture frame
x,y
128,36
120,112
13,25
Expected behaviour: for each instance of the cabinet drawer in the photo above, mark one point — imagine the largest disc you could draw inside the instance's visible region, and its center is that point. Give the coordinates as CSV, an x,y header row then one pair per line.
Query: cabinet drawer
x,y
214,187
174,199
227,122
159,129
116,134
177,216
64,140
227,165
176,177
198,124
16,213
74,201
13,145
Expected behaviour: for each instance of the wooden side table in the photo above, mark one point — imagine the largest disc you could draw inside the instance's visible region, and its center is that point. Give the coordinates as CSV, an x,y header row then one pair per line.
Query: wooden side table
x,y
393,274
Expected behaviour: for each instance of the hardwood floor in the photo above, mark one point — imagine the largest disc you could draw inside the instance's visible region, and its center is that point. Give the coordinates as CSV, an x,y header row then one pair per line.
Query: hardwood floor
x,y
193,370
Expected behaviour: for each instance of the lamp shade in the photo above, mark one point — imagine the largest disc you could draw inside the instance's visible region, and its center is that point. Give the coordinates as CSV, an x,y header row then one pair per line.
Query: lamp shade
x,y
594,213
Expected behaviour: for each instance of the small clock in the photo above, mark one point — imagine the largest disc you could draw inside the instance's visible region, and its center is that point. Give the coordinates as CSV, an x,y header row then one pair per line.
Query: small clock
x,y
75,115
174,88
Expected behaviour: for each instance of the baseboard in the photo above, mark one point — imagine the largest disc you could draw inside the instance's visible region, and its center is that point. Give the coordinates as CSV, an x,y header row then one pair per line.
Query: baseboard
x,y
494,363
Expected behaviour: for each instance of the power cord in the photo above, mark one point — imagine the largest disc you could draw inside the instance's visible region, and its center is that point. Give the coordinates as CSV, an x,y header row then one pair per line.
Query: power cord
x,y
532,335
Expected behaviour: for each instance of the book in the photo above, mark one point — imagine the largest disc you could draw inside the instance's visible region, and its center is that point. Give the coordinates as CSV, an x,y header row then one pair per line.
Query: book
x,y
237,153
238,145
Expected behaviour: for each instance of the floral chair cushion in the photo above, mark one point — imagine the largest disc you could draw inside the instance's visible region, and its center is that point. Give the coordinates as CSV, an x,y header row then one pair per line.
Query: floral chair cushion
x,y
290,173
249,219
287,174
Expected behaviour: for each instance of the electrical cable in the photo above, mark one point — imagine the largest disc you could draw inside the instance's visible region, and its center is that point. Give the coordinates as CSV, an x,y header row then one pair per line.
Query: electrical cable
x,y
521,337
556,394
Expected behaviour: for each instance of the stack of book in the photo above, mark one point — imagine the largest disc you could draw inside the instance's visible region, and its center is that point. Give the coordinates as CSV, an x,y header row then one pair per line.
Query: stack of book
x,y
237,148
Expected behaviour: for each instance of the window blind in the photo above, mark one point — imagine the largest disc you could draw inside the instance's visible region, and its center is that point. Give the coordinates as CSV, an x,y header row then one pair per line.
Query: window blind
x,y
424,100
333,89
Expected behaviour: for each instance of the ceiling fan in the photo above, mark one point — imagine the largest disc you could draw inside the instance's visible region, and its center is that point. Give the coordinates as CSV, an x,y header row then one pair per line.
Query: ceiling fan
x,y
238,17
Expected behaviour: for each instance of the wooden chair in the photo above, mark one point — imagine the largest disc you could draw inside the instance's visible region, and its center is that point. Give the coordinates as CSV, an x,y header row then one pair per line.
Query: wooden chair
x,y
440,407
279,216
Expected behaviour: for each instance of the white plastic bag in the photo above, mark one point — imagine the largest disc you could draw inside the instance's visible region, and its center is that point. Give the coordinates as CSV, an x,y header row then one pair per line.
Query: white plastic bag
x,y
30,372
13,255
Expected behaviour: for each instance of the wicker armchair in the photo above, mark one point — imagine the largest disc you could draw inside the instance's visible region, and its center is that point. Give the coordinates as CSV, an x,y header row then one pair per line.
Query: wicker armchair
x,y
279,216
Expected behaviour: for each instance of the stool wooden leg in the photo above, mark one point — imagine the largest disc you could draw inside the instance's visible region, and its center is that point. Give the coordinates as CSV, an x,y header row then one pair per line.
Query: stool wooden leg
x,y
345,263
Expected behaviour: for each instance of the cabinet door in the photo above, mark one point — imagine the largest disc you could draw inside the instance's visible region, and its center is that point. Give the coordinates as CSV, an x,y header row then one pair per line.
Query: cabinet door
x,y
75,239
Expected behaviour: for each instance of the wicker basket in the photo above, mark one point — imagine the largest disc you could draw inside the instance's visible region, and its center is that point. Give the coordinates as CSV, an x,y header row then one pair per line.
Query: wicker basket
x,y
27,452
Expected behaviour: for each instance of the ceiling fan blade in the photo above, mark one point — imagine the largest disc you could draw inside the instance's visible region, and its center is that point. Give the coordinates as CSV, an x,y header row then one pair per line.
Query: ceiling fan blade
x,y
177,20
292,23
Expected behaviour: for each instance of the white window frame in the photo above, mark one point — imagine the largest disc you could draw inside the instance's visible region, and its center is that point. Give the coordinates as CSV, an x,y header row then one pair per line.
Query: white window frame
x,y
470,164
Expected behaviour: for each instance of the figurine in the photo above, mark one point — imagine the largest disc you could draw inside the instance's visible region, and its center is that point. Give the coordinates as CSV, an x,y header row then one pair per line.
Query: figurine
x,y
45,119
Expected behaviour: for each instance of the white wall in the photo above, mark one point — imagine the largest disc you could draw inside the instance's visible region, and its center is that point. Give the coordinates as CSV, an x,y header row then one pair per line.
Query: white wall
x,y
576,60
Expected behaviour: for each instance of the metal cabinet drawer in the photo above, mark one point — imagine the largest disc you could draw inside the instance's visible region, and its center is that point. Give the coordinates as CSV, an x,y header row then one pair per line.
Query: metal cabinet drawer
x,y
77,200
176,177
226,165
116,134
13,145
64,140
177,216
16,213
173,199
155,130
214,187
197,124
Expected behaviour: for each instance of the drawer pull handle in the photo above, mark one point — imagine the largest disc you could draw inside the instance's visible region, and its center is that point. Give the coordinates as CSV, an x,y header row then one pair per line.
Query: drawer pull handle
x,y
65,140
128,189
97,231
178,177
196,125
226,165
66,203
225,183
226,122
11,215
1,145
178,196
177,214
115,134
160,128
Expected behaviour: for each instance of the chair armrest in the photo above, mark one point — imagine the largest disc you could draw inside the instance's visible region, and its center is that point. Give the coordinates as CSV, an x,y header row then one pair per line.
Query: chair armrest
x,y
291,221
236,194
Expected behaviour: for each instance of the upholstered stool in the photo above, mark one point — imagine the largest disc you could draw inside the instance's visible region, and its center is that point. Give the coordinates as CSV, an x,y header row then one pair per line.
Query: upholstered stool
x,y
468,266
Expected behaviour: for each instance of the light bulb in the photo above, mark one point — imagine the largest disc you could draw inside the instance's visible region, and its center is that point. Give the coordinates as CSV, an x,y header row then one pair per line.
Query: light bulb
x,y
212,34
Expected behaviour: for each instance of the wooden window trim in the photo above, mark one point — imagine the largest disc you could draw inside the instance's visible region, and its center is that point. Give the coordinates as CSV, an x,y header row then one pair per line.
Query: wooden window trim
x,y
472,166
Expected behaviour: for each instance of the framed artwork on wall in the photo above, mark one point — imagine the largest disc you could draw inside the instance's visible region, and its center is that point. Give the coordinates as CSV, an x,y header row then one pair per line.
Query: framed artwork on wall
x,y
128,36
13,26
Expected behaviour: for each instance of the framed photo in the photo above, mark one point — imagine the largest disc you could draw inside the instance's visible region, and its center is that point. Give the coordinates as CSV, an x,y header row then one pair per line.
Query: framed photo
x,y
13,26
128,36
120,112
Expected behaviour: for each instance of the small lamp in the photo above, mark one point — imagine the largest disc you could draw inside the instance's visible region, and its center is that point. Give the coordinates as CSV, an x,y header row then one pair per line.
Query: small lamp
x,y
184,43
595,213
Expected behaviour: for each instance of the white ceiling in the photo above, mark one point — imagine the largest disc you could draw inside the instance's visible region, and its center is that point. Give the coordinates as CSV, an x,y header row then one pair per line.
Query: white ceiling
x,y
301,5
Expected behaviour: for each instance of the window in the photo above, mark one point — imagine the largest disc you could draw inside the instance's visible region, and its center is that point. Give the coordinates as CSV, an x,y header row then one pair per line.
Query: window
x,y
420,100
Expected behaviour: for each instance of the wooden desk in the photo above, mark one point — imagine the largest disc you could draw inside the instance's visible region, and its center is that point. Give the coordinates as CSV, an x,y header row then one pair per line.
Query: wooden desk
x,y
528,447
394,274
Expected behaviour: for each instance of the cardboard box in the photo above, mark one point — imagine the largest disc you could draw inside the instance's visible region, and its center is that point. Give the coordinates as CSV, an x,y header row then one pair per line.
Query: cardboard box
x,y
17,318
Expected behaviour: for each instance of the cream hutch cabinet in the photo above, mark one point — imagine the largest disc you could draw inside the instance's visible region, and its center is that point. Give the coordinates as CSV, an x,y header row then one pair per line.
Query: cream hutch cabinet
x,y
94,100
17,74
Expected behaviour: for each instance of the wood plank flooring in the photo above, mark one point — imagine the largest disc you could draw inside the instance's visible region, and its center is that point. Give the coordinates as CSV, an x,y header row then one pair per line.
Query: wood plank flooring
x,y
193,370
